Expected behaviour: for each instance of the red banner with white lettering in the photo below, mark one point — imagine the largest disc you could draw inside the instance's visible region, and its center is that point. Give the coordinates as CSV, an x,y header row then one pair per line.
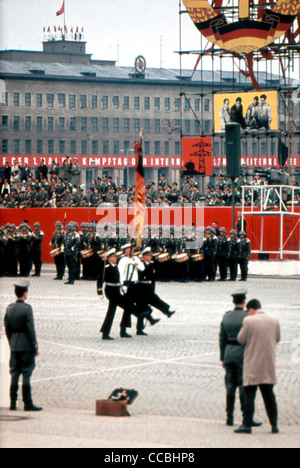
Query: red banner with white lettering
x,y
154,162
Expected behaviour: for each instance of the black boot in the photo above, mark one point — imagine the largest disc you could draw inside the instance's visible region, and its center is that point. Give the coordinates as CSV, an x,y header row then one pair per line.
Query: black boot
x,y
13,397
230,409
153,321
28,404
124,334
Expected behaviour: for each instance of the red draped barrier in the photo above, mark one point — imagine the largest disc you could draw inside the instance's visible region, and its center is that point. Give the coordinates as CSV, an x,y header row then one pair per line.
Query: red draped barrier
x,y
47,217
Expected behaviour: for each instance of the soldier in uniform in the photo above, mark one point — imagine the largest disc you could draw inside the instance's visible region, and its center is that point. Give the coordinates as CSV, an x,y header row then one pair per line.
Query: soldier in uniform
x,y
36,249
57,243
83,245
233,253
111,279
244,254
147,280
222,254
11,250
71,244
3,242
129,268
210,247
197,267
232,354
20,332
25,239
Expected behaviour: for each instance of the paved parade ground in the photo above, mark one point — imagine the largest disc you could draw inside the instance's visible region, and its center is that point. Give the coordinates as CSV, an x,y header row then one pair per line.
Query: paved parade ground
x,y
175,369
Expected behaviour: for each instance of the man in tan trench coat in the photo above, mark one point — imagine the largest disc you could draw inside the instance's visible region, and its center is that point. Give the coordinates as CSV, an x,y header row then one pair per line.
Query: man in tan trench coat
x,y
260,334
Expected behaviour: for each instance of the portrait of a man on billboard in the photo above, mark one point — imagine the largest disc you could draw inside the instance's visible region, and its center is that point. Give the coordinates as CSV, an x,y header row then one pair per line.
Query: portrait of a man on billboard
x,y
253,111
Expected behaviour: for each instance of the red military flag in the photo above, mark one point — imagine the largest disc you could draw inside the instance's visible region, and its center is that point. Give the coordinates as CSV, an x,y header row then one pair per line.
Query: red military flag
x,y
140,196
62,10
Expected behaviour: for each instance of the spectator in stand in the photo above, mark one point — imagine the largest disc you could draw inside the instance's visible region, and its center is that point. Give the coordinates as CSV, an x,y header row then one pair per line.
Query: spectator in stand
x,y
7,171
42,171
54,172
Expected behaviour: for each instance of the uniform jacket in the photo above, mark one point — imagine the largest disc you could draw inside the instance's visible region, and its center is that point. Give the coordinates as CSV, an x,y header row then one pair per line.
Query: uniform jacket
x,y
19,327
37,240
223,246
210,246
233,250
260,334
244,248
110,275
71,243
129,268
230,349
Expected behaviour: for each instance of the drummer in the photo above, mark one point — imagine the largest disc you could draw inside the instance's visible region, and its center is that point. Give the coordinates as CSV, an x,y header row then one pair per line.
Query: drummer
x,y
56,243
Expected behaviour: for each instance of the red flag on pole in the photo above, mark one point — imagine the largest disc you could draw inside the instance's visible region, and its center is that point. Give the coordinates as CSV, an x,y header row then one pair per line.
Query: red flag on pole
x,y
140,196
62,10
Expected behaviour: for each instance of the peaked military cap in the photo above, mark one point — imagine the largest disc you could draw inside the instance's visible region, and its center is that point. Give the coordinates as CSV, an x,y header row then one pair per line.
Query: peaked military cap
x,y
22,283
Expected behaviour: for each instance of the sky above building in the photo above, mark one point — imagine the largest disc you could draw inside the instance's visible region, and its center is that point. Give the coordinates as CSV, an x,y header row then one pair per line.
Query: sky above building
x,y
117,30
114,29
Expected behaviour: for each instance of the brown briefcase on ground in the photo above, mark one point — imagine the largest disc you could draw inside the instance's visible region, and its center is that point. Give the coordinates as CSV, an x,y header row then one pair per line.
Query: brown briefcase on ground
x,y
111,408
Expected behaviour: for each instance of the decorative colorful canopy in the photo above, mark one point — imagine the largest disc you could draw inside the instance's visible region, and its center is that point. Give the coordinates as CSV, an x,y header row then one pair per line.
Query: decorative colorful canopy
x,y
244,36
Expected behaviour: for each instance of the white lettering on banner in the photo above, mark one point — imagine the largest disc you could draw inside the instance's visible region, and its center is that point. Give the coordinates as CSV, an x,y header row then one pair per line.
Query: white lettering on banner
x,y
149,162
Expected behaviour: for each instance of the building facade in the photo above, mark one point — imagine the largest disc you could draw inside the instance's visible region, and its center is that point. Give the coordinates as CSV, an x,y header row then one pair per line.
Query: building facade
x,y
60,101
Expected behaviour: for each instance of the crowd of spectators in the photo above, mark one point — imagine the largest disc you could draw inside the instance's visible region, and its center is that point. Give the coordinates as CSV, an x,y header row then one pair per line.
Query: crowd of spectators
x,y
60,187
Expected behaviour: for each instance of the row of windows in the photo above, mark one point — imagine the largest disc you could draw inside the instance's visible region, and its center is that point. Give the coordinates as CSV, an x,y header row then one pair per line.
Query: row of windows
x,y
85,147
95,124
83,101
116,148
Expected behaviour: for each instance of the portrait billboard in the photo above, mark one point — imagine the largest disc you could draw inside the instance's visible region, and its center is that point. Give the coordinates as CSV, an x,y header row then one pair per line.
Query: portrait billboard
x,y
253,111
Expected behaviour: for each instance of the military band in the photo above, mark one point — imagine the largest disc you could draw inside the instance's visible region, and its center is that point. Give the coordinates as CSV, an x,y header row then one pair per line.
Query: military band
x,y
180,254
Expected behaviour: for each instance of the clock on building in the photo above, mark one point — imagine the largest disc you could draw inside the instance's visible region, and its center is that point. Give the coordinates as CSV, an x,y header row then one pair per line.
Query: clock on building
x,y
140,64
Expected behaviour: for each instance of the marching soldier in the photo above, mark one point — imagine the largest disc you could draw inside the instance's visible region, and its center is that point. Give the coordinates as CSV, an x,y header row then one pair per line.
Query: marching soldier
x,y
233,253
71,243
244,254
36,250
20,332
222,254
57,243
147,280
111,279
129,268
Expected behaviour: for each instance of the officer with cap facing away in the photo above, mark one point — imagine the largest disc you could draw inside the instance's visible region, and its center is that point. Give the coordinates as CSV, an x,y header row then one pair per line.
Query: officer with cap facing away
x,y
20,332
232,354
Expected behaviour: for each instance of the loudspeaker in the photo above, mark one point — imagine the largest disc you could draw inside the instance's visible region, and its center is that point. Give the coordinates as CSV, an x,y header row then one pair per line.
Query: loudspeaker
x,y
233,149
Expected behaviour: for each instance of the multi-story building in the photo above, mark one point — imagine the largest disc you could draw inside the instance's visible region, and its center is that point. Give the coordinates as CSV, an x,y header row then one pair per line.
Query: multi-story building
x,y
60,101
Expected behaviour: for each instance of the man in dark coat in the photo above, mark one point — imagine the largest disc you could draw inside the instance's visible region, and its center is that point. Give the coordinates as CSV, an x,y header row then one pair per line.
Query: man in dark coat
x,y
21,335
232,354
